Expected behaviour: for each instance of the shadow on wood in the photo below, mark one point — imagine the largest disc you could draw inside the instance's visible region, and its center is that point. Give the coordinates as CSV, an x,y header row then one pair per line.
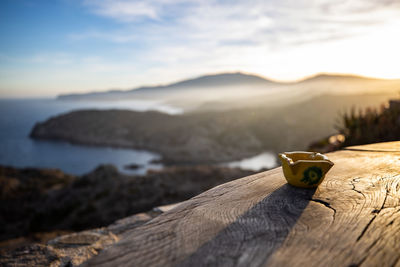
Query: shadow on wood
x,y
255,235
352,219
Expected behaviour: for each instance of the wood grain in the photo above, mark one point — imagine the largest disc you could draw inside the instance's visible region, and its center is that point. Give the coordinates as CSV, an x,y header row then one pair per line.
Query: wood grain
x,y
352,219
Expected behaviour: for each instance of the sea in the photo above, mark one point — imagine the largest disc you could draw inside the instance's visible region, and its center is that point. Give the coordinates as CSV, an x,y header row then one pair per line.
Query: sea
x,y
17,149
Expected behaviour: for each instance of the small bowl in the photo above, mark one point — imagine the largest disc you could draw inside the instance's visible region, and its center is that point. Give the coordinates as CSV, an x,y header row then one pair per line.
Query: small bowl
x,y
305,169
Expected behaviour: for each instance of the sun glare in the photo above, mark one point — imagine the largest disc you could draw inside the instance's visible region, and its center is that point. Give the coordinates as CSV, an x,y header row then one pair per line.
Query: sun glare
x,y
372,54
382,51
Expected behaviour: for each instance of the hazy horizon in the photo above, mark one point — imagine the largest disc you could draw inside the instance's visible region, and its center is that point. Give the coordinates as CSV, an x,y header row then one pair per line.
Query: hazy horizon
x,y
188,78
55,47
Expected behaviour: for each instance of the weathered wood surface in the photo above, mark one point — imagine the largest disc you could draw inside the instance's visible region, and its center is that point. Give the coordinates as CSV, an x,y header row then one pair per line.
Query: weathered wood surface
x,y
352,219
382,147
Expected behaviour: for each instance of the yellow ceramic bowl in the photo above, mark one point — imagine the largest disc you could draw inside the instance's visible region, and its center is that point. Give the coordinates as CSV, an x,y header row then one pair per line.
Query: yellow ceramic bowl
x,y
305,169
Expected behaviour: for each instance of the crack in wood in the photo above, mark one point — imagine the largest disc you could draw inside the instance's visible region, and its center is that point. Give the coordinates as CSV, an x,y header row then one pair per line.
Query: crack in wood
x,y
366,228
354,186
396,261
376,213
384,201
326,204
362,260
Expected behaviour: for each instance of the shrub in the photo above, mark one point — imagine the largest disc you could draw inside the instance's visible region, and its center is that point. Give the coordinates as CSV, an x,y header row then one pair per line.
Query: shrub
x,y
371,125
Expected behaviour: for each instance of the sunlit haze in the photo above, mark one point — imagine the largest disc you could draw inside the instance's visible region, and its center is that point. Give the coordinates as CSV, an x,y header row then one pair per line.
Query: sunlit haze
x,y
64,46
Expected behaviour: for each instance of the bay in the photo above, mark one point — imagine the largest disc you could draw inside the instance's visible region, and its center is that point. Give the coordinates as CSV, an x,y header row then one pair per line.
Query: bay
x,y
18,116
264,160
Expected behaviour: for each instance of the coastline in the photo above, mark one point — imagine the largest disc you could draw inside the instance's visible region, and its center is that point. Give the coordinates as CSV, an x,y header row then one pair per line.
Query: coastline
x,y
179,139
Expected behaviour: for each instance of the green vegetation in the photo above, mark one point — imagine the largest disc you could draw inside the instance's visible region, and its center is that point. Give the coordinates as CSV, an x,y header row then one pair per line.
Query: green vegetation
x,y
371,125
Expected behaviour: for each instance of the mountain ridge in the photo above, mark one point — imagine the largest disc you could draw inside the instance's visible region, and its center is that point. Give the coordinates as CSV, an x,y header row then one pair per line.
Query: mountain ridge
x,y
208,80
219,80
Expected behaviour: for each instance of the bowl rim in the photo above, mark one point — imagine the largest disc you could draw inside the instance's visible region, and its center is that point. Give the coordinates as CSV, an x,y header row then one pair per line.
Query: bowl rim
x,y
285,156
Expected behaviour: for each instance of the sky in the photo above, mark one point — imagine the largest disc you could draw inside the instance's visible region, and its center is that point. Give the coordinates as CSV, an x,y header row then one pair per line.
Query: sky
x,y
65,46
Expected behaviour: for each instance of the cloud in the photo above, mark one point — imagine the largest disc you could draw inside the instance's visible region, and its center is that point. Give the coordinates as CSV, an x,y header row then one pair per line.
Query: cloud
x,y
119,37
123,10
159,41
133,11
170,39
276,22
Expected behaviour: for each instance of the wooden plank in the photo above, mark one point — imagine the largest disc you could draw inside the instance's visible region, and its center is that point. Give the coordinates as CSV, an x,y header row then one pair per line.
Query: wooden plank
x,y
352,219
382,147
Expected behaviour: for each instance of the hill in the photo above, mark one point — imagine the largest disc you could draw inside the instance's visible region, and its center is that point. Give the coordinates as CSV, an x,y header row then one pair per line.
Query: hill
x,y
229,91
215,81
